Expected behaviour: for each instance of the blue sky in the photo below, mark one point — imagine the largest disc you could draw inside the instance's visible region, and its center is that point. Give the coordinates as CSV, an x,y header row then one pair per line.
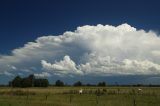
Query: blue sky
x,y
23,21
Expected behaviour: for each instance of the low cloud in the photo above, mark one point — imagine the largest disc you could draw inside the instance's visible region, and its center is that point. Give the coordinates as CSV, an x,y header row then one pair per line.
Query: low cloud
x,y
65,66
103,66
101,50
43,74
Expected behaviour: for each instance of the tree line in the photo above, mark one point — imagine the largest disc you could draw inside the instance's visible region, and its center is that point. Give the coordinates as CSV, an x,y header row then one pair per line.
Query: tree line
x,y
79,83
29,81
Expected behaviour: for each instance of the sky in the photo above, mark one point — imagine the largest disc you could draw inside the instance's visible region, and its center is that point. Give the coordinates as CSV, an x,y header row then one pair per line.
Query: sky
x,y
88,40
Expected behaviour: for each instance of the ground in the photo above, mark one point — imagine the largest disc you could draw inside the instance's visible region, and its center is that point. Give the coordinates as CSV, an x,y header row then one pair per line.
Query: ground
x,y
68,96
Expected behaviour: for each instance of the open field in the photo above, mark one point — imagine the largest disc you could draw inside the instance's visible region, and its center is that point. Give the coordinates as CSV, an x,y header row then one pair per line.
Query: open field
x,y
68,96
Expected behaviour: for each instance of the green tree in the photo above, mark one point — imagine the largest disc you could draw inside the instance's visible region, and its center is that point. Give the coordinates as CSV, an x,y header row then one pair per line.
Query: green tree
x,y
101,84
26,82
45,83
59,83
78,83
16,81
41,83
29,81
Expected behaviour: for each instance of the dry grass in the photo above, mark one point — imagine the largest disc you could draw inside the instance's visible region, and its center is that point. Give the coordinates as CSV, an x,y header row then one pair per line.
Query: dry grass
x,y
68,96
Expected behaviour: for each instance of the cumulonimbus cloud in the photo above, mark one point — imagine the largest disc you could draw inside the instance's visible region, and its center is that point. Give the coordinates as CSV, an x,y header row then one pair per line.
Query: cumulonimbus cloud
x,y
90,50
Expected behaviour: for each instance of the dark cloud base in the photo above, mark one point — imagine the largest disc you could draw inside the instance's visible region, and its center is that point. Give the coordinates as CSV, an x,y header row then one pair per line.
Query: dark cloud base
x,y
122,80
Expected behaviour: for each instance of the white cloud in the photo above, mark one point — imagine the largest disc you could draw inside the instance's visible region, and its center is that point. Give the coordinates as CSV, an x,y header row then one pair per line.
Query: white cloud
x,y
43,74
156,53
103,66
90,50
7,73
65,66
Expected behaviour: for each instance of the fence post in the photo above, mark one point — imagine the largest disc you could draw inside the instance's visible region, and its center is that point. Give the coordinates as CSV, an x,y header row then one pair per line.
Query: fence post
x,y
70,98
27,96
97,99
134,101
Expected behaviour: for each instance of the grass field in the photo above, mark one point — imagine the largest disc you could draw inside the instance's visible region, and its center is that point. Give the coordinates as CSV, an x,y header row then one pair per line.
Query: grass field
x,y
68,96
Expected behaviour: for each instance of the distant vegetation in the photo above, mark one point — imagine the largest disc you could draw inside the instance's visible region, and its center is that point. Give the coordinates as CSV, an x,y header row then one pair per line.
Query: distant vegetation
x,y
29,81
61,94
59,83
78,83
101,84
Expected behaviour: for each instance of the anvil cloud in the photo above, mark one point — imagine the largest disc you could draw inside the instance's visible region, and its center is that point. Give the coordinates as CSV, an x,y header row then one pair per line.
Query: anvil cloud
x,y
101,50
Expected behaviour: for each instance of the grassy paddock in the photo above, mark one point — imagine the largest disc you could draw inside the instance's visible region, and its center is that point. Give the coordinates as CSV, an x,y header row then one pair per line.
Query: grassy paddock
x,y
68,96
